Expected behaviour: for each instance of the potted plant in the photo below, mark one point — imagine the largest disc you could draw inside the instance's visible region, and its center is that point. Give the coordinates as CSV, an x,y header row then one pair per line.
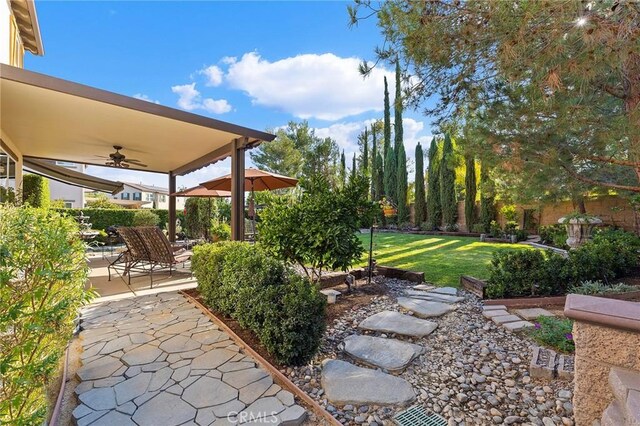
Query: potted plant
x,y
579,228
388,209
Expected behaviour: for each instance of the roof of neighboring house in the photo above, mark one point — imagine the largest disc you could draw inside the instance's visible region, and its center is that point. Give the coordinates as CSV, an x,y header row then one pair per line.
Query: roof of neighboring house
x,y
148,188
27,20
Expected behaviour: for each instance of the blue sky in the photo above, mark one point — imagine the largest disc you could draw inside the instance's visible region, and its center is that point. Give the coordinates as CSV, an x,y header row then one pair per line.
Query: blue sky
x,y
257,64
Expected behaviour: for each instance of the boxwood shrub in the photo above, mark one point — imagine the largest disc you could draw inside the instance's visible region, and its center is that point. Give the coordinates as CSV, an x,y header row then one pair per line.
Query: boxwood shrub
x,y
101,219
283,309
518,273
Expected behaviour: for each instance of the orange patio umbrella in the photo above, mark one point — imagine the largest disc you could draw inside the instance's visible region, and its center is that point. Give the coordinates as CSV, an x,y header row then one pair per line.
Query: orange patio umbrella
x,y
201,191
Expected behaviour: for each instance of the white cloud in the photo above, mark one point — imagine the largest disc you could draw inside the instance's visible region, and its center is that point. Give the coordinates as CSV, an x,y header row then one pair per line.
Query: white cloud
x,y
189,98
214,75
144,97
324,86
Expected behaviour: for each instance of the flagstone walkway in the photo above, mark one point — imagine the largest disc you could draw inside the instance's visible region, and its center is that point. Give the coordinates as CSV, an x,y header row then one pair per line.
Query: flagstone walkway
x,y
158,360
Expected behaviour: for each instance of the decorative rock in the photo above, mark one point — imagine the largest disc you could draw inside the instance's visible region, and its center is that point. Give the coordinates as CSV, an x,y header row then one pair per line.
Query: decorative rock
x,y
424,308
395,322
344,383
390,354
533,313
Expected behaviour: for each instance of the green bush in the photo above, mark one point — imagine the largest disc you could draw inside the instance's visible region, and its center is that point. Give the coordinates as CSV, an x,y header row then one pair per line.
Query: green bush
x,y
42,278
554,332
35,191
101,219
554,235
220,231
145,218
520,273
598,287
318,231
243,281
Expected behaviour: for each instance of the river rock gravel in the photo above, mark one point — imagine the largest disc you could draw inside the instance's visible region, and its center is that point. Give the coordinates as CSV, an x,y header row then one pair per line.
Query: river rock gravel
x,y
472,371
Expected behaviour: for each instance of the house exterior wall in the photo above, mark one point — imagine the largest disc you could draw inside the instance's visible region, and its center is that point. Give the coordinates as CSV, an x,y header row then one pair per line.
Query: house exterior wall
x,y
157,200
73,196
11,48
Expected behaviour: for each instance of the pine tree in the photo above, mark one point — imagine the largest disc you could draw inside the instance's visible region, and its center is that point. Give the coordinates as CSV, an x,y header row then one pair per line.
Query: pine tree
x,y
365,151
420,203
470,192
403,208
434,206
387,120
448,185
487,201
343,169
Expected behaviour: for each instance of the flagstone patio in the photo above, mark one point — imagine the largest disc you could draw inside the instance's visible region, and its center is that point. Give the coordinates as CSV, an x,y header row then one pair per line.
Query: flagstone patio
x,y
158,360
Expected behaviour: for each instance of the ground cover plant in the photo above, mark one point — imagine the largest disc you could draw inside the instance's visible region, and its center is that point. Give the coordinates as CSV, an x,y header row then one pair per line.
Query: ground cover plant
x,y
442,258
591,288
42,276
554,332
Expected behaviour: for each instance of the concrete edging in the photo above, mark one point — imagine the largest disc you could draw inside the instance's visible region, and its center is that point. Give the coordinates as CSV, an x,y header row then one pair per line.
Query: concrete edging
x,y
617,314
265,364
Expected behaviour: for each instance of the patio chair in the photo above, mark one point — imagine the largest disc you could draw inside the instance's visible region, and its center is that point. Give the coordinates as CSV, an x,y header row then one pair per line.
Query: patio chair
x,y
136,256
162,255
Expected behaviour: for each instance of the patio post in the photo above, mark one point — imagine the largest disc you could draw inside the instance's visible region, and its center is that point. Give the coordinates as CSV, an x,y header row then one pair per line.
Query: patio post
x,y
237,189
172,207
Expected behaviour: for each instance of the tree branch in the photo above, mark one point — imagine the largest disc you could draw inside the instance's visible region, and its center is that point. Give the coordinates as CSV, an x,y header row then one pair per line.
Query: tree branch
x,y
618,92
599,183
614,161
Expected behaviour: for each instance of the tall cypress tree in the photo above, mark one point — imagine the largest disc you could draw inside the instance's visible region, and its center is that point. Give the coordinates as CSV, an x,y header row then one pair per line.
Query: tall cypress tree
x,y
397,107
374,167
403,208
354,167
487,201
434,206
378,182
448,185
365,151
343,169
470,192
387,120
420,204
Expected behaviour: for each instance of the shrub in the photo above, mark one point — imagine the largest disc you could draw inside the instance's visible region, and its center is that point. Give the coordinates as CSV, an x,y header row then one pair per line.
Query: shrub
x,y
554,332
319,229
35,191
478,228
145,218
101,201
244,282
220,231
598,287
519,273
554,235
495,230
42,277
510,213
101,219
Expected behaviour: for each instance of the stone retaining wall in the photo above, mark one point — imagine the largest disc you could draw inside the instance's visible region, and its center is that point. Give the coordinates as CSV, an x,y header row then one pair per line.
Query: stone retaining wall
x,y
606,334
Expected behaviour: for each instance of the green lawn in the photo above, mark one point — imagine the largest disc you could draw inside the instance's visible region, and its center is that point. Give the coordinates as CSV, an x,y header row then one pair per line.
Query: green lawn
x,y
442,259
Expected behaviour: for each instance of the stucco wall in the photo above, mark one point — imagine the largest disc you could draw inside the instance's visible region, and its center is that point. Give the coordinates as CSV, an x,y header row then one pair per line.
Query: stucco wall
x,y
5,15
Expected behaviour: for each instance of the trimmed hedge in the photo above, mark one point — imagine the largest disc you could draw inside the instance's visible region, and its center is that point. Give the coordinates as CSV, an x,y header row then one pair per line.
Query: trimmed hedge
x,y
35,191
519,273
284,310
101,219
42,285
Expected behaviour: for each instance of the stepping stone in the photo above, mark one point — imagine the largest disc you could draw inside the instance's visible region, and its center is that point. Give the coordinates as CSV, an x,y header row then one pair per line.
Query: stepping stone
x,y
293,416
389,354
494,308
395,322
132,388
424,287
99,399
207,392
502,319
344,383
433,296
517,325
533,313
144,354
425,308
495,313
164,409
452,291
332,295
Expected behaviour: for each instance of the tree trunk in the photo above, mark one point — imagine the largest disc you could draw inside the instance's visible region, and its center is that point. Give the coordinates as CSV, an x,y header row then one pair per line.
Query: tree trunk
x,y
578,204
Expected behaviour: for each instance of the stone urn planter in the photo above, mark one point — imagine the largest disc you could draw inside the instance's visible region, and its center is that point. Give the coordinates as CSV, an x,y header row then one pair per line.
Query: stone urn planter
x,y
579,229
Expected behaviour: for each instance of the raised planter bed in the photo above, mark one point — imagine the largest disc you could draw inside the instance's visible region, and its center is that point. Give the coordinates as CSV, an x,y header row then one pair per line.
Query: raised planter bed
x,y
473,285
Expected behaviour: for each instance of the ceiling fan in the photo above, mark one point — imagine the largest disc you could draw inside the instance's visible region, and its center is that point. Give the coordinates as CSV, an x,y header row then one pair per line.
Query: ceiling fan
x,y
118,159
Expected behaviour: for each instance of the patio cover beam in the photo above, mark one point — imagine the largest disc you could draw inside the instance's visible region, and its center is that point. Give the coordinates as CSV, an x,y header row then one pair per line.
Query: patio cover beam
x,y
237,189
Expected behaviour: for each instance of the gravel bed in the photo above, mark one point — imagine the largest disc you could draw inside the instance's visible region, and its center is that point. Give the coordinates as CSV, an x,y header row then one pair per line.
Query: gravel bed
x,y
473,372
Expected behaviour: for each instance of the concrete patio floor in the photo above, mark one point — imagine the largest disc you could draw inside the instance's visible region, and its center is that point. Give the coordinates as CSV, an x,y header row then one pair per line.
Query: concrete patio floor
x,y
156,359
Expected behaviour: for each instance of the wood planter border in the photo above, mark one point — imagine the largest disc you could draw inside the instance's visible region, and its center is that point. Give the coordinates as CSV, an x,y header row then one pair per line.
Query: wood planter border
x,y
266,364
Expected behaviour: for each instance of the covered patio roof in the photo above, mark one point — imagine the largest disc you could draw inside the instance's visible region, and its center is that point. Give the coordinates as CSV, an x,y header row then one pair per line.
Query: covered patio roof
x,y
50,118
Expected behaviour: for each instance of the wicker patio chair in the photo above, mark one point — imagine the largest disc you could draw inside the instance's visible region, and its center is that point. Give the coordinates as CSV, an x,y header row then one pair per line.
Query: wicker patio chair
x,y
135,257
162,255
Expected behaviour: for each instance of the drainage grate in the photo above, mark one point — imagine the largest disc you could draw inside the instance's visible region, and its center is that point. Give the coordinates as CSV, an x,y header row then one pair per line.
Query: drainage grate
x,y
418,416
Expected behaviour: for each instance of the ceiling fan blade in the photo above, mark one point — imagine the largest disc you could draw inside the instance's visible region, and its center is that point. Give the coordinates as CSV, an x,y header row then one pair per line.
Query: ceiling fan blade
x,y
134,163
